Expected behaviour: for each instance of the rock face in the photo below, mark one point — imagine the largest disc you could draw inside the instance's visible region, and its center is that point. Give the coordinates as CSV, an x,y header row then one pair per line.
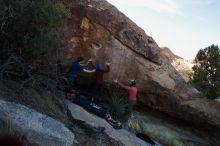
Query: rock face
x,y
97,29
35,128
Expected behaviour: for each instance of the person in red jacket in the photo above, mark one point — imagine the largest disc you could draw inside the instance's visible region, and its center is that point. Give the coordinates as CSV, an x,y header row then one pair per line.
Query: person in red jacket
x,y
132,90
100,71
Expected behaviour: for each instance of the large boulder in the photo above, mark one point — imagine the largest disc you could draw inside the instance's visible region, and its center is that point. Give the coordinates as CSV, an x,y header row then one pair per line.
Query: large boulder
x,y
99,30
33,127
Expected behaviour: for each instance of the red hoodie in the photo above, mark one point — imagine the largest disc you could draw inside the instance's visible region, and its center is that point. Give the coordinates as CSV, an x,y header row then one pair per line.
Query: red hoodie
x,y
100,75
132,91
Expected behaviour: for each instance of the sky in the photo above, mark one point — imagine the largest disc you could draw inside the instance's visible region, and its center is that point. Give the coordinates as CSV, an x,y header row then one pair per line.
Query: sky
x,y
184,26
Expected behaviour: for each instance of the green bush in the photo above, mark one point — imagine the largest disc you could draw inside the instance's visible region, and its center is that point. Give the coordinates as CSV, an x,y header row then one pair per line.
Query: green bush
x,y
31,26
119,107
206,77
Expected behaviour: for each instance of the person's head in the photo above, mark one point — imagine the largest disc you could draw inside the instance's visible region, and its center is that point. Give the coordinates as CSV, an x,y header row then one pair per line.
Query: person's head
x,y
132,83
100,66
79,59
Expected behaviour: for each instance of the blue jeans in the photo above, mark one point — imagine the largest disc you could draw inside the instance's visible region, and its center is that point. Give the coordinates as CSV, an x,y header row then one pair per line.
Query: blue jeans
x,y
71,80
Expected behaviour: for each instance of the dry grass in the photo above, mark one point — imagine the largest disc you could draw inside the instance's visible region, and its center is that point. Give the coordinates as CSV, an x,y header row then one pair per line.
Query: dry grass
x,y
164,135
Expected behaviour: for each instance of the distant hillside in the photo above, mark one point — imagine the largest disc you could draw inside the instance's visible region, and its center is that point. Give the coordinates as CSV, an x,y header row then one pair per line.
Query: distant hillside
x,y
183,66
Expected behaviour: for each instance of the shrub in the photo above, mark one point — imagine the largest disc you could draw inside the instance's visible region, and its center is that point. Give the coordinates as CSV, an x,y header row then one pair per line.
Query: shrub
x,y
119,107
30,25
29,32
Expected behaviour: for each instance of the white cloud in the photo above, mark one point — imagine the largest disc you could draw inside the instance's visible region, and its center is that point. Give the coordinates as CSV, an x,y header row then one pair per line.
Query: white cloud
x,y
207,2
167,6
200,18
162,6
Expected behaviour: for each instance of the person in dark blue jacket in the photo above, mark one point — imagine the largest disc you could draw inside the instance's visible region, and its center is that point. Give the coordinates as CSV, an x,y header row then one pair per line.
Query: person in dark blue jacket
x,y
75,68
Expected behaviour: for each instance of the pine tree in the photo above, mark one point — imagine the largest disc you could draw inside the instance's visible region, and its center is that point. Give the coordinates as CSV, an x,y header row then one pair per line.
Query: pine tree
x,y
206,76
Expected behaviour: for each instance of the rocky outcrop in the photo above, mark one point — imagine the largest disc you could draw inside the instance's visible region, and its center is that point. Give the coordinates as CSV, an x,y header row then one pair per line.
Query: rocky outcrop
x,y
37,129
169,54
97,29
97,23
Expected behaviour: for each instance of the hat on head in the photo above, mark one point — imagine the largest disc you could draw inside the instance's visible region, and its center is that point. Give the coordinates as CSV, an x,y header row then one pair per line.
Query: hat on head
x,y
132,82
100,66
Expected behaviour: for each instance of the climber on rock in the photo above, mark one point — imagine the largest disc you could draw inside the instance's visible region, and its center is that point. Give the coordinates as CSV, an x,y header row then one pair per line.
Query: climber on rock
x,y
132,90
101,70
75,68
